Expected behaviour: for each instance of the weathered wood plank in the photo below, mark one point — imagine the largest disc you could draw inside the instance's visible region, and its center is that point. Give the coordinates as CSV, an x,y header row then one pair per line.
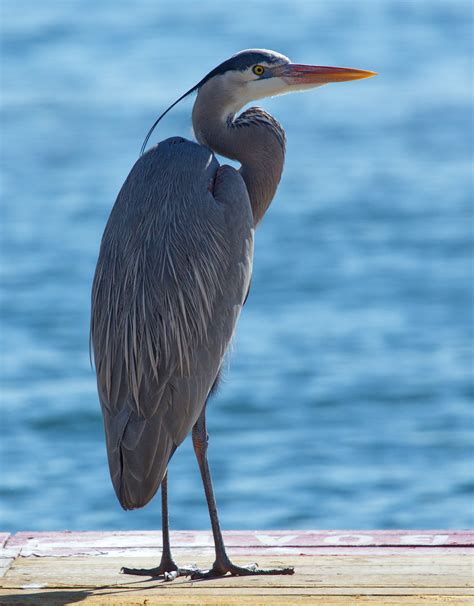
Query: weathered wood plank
x,y
278,542
181,553
332,568
3,538
226,597
312,572
263,538
7,554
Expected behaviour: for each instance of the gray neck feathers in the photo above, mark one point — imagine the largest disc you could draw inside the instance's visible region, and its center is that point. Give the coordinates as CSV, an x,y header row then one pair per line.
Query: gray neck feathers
x,y
255,139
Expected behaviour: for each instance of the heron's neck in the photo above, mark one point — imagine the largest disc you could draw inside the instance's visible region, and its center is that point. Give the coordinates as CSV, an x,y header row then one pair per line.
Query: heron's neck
x,y
255,139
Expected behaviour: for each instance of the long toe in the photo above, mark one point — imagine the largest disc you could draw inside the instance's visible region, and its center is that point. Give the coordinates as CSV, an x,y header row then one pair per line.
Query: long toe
x,y
169,571
253,569
238,571
284,570
144,572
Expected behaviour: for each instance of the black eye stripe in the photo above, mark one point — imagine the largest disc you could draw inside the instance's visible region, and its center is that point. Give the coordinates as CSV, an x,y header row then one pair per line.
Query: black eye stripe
x,y
243,61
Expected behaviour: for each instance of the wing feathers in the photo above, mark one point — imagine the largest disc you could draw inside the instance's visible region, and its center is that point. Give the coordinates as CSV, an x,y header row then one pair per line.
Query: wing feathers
x,y
171,278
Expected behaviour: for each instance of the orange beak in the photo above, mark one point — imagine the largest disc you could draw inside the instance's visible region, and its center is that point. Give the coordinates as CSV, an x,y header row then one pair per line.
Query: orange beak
x,y
314,75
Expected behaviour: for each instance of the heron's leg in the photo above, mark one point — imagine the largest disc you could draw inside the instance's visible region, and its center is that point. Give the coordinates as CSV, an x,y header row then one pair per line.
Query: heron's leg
x,y
167,567
222,564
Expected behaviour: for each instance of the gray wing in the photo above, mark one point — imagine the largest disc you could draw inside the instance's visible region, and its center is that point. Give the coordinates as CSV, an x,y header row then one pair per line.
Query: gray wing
x,y
173,271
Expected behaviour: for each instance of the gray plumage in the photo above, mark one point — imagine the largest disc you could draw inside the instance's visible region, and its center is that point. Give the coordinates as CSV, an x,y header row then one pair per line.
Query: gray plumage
x,y
174,270
170,263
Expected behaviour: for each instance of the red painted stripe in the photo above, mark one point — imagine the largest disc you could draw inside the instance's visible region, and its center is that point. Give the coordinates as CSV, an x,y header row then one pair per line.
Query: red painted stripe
x,y
335,539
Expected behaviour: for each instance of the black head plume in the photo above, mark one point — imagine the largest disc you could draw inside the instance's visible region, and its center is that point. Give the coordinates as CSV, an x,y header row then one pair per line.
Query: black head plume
x,y
240,61
149,133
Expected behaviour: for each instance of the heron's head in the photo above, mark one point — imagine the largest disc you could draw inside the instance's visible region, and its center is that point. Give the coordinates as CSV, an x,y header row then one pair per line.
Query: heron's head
x,y
257,73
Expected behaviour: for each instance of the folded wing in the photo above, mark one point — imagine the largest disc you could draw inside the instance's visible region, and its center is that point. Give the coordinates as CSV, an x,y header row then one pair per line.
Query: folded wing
x,y
173,271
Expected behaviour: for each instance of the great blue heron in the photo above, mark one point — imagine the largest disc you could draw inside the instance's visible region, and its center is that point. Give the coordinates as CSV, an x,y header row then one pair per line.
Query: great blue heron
x,y
173,274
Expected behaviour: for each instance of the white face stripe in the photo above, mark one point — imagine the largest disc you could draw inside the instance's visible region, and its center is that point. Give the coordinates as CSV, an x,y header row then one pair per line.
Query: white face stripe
x,y
237,88
241,88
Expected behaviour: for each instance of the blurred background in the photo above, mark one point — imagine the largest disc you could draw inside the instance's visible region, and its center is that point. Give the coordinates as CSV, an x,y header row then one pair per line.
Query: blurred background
x,y
347,402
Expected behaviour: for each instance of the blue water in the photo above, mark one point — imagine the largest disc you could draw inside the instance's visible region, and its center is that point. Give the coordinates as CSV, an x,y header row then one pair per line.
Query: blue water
x,y
347,402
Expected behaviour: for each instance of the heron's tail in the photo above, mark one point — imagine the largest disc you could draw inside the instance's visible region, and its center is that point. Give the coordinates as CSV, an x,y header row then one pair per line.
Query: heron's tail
x,y
139,450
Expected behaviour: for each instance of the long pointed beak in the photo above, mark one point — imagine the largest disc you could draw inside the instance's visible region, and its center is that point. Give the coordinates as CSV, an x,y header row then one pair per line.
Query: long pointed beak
x,y
316,75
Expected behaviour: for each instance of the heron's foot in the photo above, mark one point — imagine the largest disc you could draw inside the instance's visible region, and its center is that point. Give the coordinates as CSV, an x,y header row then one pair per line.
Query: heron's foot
x,y
167,569
220,569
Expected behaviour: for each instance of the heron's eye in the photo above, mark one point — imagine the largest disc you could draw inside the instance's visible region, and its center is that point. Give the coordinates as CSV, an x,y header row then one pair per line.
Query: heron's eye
x,y
258,70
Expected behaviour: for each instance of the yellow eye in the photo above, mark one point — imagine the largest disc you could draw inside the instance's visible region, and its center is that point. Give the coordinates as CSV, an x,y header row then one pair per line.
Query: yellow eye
x,y
258,70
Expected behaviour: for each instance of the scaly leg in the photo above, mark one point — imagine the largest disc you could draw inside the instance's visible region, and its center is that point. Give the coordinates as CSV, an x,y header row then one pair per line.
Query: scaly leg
x,y
168,567
222,564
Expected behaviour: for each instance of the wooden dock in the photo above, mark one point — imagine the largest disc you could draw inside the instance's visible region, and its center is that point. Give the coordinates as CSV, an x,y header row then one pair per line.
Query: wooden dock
x,y
332,568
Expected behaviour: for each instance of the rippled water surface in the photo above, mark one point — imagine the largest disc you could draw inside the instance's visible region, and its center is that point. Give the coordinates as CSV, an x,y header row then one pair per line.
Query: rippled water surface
x,y
347,399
